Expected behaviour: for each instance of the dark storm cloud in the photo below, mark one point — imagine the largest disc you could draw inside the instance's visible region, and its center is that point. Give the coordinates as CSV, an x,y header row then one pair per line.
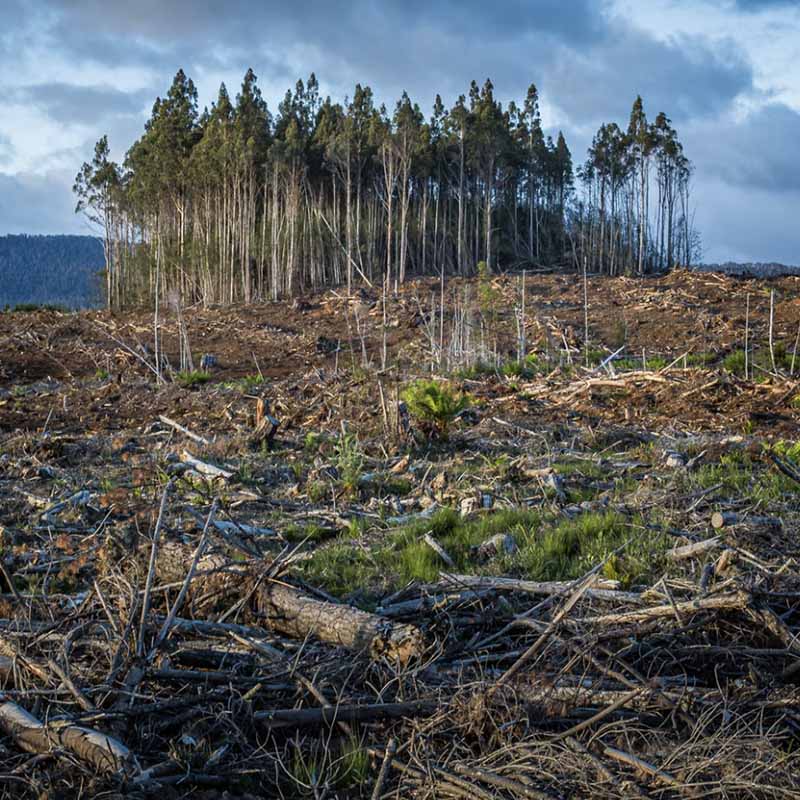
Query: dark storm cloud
x,y
745,224
760,152
684,77
588,63
243,23
65,102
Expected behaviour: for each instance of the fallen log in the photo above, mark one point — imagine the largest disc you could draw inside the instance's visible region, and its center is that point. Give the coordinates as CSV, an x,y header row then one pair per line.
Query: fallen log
x,y
104,753
694,549
204,468
302,717
295,614
726,519
722,602
185,431
602,589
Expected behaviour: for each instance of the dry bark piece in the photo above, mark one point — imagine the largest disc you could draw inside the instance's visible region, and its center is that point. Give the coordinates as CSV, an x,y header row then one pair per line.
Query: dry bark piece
x,y
721,602
295,614
185,431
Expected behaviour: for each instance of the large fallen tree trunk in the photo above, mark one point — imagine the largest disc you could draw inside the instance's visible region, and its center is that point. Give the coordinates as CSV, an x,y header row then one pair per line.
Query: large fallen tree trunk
x,y
104,753
295,614
289,611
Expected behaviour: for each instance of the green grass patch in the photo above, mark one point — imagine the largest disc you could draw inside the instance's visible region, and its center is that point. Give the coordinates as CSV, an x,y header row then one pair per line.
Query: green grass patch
x,y
249,383
572,547
738,475
550,548
191,379
653,363
343,768
700,359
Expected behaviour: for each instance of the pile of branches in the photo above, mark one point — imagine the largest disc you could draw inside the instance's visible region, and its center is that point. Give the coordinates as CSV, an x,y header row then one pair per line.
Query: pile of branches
x,y
196,661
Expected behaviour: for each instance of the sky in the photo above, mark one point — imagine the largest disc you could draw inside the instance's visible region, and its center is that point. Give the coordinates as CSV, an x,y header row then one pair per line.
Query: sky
x,y
727,72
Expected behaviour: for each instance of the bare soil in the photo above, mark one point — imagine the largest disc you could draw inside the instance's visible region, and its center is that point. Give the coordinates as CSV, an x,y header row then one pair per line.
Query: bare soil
x,y
593,657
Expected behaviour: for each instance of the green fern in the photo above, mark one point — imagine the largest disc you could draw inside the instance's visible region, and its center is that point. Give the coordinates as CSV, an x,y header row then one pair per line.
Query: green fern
x,y
434,404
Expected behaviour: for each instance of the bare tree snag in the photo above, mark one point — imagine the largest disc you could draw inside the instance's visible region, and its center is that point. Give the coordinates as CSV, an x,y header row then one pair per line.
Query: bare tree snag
x,y
297,615
104,753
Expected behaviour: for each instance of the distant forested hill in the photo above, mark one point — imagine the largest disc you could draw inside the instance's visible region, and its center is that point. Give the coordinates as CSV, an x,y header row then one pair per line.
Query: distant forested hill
x,y
758,270
62,270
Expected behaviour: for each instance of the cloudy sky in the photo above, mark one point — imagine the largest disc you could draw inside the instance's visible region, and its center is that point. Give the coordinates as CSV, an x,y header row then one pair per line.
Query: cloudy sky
x,y
726,71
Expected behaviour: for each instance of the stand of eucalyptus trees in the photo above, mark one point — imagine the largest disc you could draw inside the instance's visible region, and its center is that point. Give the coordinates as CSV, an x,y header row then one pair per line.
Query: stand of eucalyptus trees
x,y
235,204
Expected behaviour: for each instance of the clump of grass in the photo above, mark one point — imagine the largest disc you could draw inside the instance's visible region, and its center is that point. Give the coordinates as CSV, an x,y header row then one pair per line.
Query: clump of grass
x,y
572,547
548,549
349,461
735,363
787,449
738,475
190,379
342,769
342,568
479,369
700,359
528,368
435,405
248,383
652,363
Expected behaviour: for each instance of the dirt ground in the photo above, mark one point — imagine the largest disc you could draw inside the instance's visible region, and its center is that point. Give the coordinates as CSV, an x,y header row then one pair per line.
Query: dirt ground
x,y
587,585
83,370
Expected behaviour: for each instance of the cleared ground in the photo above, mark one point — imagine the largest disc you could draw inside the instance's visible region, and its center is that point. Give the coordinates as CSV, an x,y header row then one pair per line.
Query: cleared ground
x,y
548,609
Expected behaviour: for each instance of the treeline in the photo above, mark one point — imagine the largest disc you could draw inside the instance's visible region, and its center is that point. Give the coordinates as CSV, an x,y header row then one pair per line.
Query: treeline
x,y
237,204
51,270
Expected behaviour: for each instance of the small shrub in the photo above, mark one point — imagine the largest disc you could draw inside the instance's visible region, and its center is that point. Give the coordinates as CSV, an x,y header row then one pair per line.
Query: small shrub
x,y
191,379
528,368
700,359
735,362
349,461
435,405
